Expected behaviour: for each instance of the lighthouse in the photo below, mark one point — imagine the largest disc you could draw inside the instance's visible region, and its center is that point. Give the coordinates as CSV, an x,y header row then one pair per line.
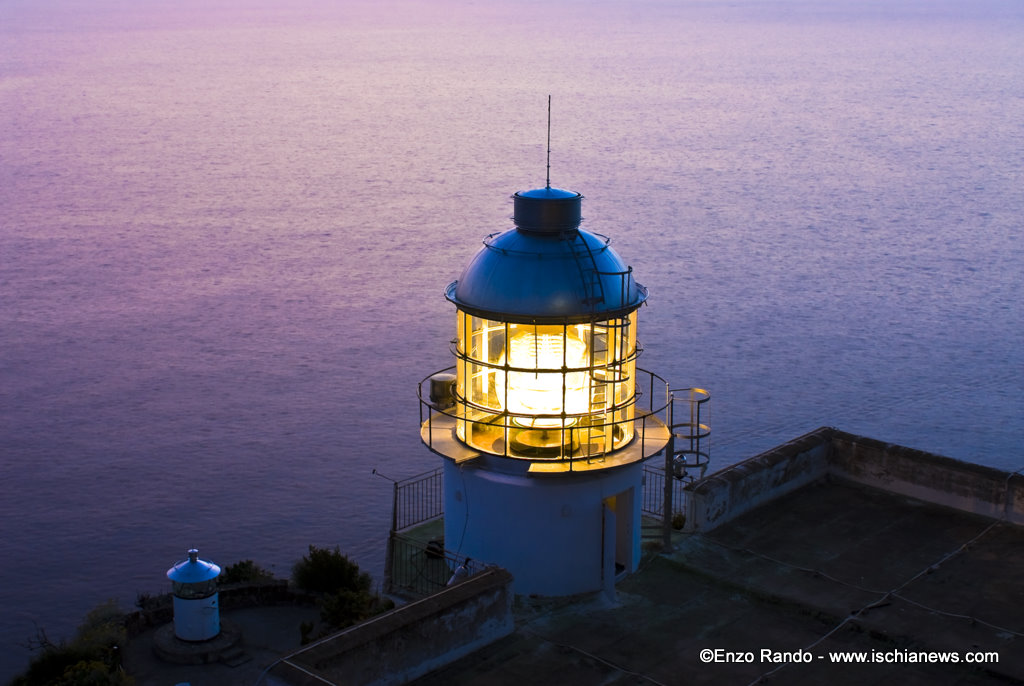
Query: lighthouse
x,y
545,418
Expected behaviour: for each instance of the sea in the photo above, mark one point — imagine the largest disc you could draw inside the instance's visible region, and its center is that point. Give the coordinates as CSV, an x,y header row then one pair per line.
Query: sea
x,y
226,227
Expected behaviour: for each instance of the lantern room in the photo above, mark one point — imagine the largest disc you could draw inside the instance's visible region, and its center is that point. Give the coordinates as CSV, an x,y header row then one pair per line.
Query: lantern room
x,y
545,417
545,391
546,348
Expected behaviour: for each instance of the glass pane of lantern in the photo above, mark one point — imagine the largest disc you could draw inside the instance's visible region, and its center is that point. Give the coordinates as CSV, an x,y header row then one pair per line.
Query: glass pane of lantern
x,y
460,335
487,339
482,387
477,348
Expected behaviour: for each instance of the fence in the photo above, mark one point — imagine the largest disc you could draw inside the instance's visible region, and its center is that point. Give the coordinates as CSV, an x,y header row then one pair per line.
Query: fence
x,y
417,499
415,567
653,503
419,568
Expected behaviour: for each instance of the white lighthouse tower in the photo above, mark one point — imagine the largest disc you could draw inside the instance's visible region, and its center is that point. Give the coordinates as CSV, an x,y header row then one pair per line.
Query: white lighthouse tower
x,y
196,610
545,419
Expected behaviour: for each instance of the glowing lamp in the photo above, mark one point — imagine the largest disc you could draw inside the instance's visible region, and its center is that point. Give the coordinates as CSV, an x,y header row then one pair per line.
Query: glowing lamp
x,y
538,393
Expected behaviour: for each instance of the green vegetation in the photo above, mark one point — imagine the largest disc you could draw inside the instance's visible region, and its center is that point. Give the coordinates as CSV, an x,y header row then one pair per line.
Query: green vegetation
x,y
328,571
345,596
244,572
91,658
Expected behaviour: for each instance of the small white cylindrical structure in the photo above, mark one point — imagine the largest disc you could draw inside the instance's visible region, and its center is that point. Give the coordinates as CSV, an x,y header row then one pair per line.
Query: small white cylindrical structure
x,y
196,608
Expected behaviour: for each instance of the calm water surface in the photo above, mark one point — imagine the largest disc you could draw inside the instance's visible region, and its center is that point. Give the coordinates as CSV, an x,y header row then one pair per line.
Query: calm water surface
x,y
225,232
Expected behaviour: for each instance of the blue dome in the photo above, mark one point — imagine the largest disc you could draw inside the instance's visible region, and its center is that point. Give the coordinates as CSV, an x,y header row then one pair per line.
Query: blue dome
x,y
547,269
193,570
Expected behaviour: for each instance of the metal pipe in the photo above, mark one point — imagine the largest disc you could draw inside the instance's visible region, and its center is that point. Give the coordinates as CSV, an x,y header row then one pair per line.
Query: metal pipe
x,y
670,449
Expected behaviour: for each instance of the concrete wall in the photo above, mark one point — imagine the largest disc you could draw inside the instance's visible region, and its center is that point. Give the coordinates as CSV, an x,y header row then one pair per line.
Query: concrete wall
x,y
932,478
406,643
727,494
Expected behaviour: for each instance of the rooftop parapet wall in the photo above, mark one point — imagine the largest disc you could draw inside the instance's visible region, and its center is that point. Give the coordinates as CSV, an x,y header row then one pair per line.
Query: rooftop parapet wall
x,y
409,641
925,476
727,494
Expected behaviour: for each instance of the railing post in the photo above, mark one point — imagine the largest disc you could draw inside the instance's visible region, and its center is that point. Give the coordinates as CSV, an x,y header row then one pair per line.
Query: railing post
x,y
389,552
670,450
394,506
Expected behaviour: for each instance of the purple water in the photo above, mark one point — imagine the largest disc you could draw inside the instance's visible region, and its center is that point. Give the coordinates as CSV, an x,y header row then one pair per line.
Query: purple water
x,y
225,231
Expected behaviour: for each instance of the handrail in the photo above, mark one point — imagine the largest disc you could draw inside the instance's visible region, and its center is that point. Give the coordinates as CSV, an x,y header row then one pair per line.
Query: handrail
x,y
506,367
452,370
503,419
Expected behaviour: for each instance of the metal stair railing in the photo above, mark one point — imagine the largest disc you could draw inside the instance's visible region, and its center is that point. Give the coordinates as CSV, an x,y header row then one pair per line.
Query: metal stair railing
x,y
593,288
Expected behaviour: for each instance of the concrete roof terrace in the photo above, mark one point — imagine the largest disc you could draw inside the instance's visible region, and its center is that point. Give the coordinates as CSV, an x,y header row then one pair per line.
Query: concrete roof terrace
x,y
830,566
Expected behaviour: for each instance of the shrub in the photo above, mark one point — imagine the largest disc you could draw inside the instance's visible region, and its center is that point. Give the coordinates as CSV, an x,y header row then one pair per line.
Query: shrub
x,y
102,631
49,665
344,608
93,673
92,658
345,591
328,571
244,572
306,632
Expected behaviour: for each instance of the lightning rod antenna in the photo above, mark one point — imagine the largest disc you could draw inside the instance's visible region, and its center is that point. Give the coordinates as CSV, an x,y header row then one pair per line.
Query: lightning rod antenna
x,y
548,181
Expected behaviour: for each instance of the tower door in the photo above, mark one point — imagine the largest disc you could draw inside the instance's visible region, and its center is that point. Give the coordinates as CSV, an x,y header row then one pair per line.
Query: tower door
x,y
618,533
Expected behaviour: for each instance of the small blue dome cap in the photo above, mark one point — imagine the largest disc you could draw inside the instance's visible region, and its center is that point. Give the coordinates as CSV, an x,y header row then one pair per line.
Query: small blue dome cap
x,y
193,570
547,269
